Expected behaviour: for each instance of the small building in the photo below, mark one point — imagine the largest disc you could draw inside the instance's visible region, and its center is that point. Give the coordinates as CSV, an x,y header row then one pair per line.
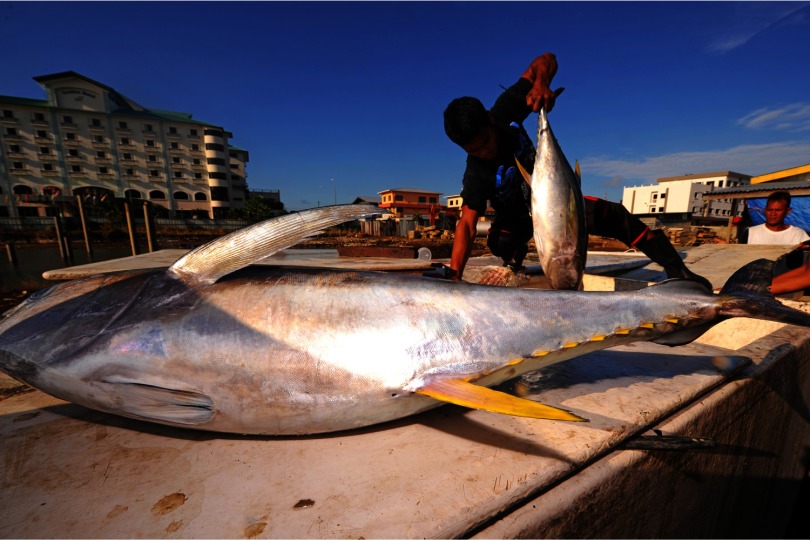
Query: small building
x,y
678,201
413,203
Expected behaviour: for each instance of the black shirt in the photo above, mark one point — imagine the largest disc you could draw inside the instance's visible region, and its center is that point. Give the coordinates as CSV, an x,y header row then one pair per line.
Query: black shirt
x,y
512,206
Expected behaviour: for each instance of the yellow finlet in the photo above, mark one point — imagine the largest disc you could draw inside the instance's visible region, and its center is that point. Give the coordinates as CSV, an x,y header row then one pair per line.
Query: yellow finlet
x,y
570,345
673,320
646,325
622,331
598,337
537,354
474,396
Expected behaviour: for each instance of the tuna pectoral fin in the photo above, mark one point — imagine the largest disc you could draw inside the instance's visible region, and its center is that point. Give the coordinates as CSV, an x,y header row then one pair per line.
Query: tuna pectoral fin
x,y
165,405
474,396
523,172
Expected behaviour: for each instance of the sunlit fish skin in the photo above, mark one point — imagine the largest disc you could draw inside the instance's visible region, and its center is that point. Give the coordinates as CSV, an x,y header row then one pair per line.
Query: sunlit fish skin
x,y
558,212
283,351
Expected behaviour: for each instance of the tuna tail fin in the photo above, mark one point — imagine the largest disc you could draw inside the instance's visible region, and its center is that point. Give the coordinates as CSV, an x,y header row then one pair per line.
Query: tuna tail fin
x,y
467,394
746,294
249,245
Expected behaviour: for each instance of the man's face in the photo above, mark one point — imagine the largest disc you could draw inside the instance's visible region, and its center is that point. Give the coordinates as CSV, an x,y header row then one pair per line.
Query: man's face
x,y
484,145
776,212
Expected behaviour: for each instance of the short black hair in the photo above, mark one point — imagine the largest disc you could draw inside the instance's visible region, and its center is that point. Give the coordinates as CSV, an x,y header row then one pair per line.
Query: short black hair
x,y
780,196
464,119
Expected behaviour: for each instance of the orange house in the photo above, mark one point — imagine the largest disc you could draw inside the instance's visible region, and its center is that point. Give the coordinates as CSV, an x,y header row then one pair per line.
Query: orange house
x,y
411,202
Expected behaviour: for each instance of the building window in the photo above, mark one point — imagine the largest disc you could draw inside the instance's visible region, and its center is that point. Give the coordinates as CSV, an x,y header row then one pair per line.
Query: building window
x,y
38,117
152,158
213,146
148,127
11,132
178,174
398,198
175,159
125,141
44,150
175,146
42,134
180,196
47,166
663,196
422,200
150,143
8,114
200,197
76,168
219,193
192,132
95,122
70,136
122,125
196,161
154,173
14,149
73,153
130,172
99,139
101,155
216,161
433,200
218,176
157,194
17,165
126,156
103,170
195,147
67,119
197,176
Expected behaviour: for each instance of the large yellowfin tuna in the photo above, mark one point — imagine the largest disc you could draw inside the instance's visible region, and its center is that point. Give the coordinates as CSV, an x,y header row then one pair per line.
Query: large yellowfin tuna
x,y
214,343
558,212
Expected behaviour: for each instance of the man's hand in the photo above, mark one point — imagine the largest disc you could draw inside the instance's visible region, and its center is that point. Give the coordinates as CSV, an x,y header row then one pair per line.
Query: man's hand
x,y
541,97
540,73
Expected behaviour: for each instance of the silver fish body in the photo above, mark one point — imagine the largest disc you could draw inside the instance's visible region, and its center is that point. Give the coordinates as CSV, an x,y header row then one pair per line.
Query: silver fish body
x,y
558,213
216,344
273,350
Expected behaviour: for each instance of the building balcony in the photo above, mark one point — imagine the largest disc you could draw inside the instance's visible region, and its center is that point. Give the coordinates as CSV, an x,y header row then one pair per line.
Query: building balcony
x,y
176,151
74,159
9,120
171,135
46,157
40,123
94,127
15,137
71,142
106,176
71,125
99,144
24,171
49,172
45,139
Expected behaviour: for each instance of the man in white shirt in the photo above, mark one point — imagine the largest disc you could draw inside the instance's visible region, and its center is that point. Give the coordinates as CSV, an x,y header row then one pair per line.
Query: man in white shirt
x,y
775,231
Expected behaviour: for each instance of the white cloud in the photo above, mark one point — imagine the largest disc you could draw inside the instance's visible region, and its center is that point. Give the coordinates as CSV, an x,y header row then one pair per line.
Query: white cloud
x,y
747,159
794,117
749,19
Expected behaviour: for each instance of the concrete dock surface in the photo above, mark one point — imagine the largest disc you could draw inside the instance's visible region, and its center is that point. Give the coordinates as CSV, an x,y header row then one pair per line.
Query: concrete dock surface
x,y
744,386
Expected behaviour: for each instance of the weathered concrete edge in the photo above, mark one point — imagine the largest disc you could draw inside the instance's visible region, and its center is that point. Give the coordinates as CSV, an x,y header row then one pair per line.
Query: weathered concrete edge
x,y
745,487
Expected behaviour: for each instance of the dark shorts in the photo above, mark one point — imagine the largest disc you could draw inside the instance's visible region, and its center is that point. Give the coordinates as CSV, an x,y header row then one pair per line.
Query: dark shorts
x,y
610,219
603,218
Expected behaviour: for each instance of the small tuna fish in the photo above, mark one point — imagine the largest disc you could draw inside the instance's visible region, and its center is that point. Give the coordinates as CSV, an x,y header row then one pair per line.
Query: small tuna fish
x,y
558,211
215,344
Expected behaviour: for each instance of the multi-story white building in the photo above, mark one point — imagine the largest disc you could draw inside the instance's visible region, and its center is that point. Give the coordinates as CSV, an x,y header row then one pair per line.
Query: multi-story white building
x,y
88,139
679,199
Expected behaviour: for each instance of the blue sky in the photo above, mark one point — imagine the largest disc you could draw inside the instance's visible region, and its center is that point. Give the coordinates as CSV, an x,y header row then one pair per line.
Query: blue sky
x,y
337,99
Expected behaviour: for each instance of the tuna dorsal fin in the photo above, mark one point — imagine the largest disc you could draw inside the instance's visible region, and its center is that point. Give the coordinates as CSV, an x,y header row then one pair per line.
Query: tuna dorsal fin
x,y
248,245
474,396
523,172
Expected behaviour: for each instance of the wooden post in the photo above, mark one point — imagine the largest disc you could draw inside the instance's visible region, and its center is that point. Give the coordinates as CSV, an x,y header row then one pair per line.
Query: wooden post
x,y
84,228
147,216
12,256
68,249
59,241
131,229
734,206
